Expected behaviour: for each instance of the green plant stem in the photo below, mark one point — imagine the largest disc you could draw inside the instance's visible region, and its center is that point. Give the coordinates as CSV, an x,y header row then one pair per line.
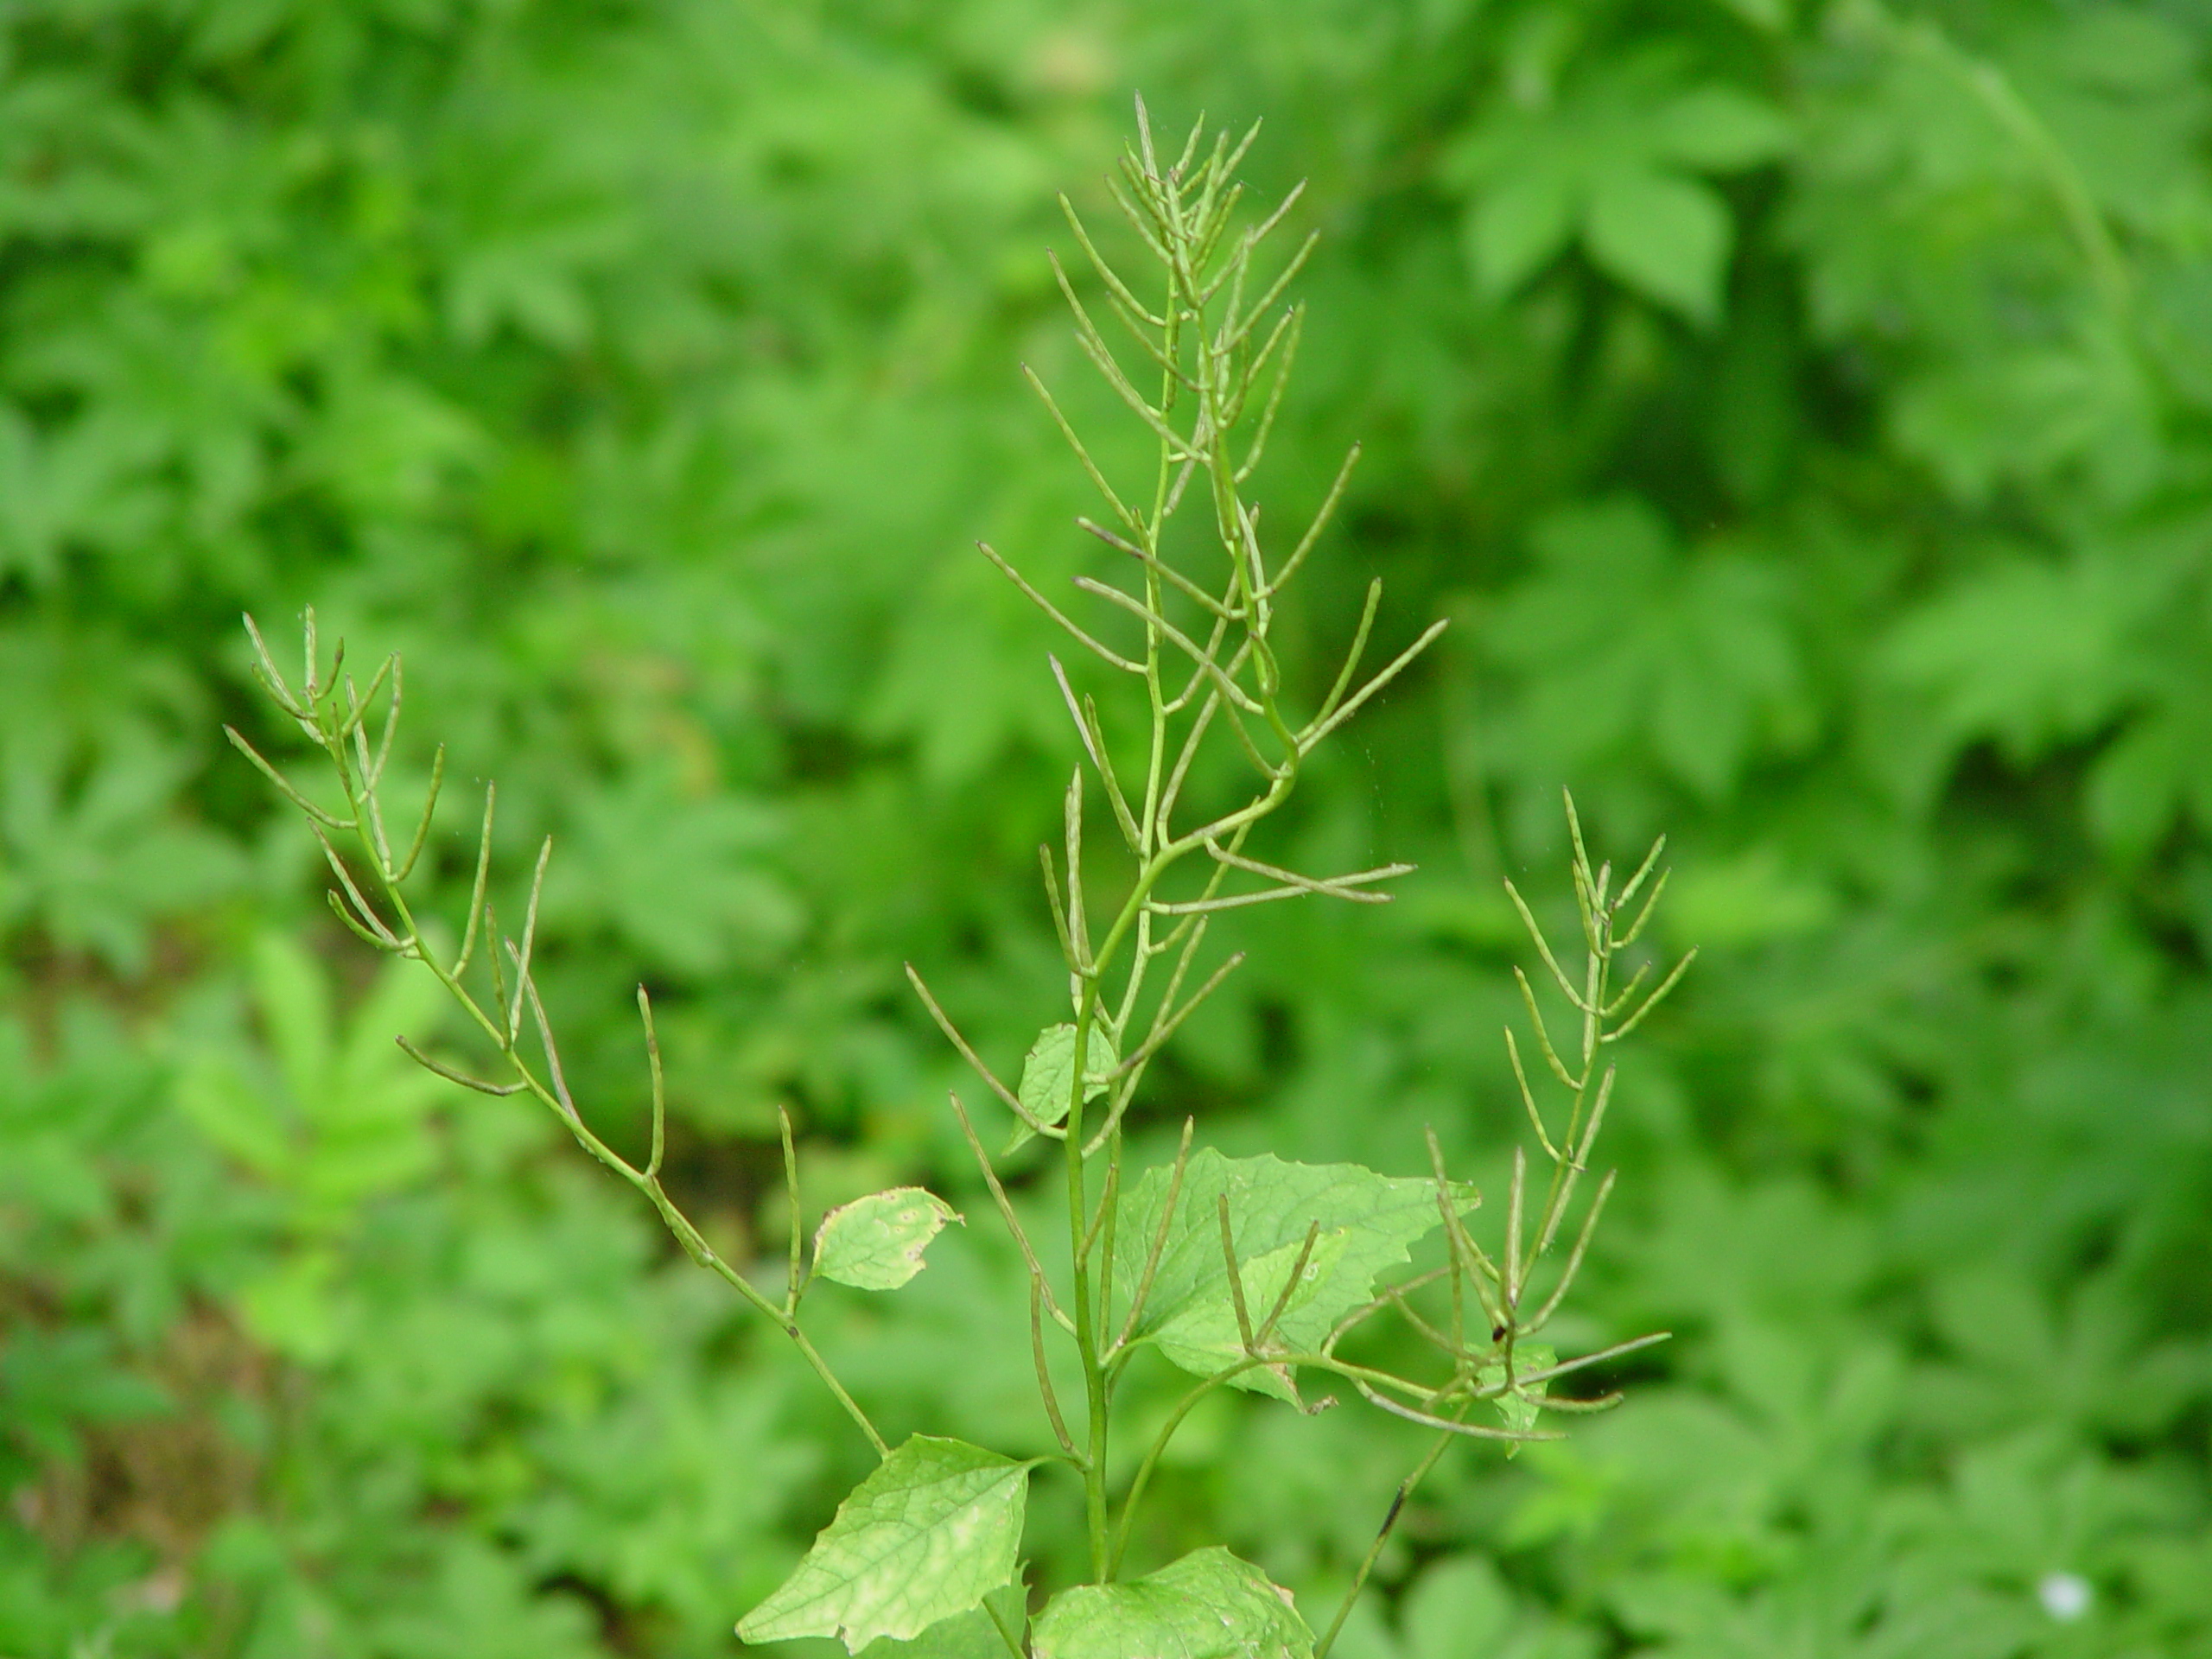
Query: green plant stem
x,y
1187,300
411,943
1319,1362
1086,1334
1142,1478
1013,1641
1382,1537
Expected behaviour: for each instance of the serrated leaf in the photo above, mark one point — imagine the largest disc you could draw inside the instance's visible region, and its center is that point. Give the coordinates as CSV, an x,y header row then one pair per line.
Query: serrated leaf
x,y
1048,1071
1208,1606
1664,235
925,1537
1368,1222
876,1243
686,879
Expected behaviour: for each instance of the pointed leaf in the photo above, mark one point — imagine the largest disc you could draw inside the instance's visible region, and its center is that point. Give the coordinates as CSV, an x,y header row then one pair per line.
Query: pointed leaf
x,y
876,1243
1208,1606
1368,1223
928,1536
1664,235
1520,225
1721,128
211,1092
1049,1070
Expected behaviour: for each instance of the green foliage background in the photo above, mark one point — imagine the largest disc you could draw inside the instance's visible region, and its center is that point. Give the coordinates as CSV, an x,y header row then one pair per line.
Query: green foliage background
x,y
1805,413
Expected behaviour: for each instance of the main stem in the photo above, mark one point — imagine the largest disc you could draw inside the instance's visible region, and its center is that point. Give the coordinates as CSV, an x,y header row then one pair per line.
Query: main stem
x,y
1086,1331
1155,851
1097,1385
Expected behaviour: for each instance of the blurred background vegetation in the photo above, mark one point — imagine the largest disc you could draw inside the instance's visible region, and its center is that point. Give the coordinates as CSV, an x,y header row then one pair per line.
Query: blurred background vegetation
x,y
1804,411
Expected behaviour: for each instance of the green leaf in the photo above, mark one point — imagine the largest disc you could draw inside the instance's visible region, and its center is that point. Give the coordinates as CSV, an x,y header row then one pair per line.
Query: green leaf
x,y
1695,662
971,1635
683,876
1048,1071
1208,1606
876,1243
65,487
2137,784
1749,898
1205,1337
299,1307
1666,236
1517,228
336,1113
1719,128
96,855
2031,654
1519,1408
1458,1606
1368,1222
928,1536
292,992
215,1097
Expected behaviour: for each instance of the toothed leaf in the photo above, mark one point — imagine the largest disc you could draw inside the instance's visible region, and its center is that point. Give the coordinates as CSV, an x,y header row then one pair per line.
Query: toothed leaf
x,y
927,1537
1368,1225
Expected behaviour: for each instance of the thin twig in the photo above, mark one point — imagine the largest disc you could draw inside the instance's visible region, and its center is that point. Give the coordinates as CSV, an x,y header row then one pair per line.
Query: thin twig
x,y
1543,1315
1104,652
1470,1431
794,1281
1158,1239
1290,1285
529,940
1236,1276
1313,734
1044,1371
1006,1213
660,1091
429,1064
1006,1096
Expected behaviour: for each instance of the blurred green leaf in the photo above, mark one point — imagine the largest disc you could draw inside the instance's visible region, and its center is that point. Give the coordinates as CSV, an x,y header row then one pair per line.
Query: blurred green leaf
x,y
1667,236
684,882
1694,656
1518,228
94,859
1607,161
1457,1604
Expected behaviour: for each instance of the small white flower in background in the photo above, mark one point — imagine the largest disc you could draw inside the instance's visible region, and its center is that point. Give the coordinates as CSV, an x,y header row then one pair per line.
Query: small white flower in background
x,y
2065,1596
